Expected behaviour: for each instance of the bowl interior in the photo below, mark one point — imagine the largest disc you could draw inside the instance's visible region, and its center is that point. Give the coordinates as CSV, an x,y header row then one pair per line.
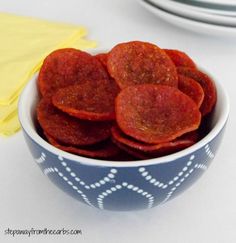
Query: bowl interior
x,y
27,116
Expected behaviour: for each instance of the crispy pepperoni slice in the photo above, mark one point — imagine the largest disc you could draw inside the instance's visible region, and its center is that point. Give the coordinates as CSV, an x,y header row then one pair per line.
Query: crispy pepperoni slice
x,y
207,84
69,130
139,62
191,88
155,113
102,57
180,59
123,156
103,150
182,142
68,66
131,151
92,100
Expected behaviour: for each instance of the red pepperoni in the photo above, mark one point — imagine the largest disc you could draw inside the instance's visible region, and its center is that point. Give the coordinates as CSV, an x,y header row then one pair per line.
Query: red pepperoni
x,y
191,88
92,100
180,59
69,130
182,142
123,156
131,151
66,67
139,62
103,150
155,113
208,87
102,57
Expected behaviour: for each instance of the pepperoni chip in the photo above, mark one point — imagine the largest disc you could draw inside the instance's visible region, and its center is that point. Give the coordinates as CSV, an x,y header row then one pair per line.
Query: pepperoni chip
x,y
102,57
191,88
69,130
176,145
170,148
155,113
133,152
135,102
182,142
123,156
92,100
103,150
180,59
139,62
68,66
208,87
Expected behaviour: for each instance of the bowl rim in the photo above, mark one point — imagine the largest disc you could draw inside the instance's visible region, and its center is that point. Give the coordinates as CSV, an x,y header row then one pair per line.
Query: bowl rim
x,y
31,132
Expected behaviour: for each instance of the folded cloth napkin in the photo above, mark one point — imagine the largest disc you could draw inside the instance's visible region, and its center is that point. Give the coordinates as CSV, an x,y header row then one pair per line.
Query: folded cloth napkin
x,y
24,43
10,126
7,111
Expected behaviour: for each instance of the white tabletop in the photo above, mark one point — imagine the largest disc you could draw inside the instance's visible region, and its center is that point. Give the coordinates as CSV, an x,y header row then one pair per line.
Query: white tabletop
x,y
205,213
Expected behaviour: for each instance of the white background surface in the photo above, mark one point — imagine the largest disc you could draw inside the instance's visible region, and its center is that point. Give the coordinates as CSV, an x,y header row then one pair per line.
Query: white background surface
x,y
205,213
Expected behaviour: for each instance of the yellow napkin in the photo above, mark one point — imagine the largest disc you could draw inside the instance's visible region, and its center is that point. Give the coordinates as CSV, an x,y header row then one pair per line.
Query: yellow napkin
x,y
7,111
10,126
24,43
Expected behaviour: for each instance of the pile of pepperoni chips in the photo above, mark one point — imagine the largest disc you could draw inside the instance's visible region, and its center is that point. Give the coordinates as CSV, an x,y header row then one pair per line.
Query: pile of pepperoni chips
x,y
137,101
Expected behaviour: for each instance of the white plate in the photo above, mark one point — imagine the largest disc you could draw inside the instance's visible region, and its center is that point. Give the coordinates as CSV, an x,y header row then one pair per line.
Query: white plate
x,y
211,2
219,8
226,2
186,11
189,24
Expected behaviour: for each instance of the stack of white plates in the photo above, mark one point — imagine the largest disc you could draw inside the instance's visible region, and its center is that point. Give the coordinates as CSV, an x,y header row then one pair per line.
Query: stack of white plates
x,y
206,16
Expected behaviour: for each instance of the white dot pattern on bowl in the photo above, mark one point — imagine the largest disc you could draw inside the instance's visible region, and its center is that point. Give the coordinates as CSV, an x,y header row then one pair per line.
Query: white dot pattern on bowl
x,y
103,189
196,166
41,159
148,177
48,170
74,187
108,178
102,196
209,152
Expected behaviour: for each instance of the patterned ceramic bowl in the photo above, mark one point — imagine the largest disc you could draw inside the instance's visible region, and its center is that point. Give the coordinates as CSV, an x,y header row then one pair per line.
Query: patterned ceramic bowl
x,y
122,185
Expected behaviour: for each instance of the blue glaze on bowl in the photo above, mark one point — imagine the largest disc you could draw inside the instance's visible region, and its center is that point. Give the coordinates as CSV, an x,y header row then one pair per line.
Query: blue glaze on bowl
x,y
124,188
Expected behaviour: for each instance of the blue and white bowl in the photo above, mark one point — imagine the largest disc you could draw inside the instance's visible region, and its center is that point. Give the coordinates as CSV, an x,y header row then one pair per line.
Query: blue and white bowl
x,y
122,186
